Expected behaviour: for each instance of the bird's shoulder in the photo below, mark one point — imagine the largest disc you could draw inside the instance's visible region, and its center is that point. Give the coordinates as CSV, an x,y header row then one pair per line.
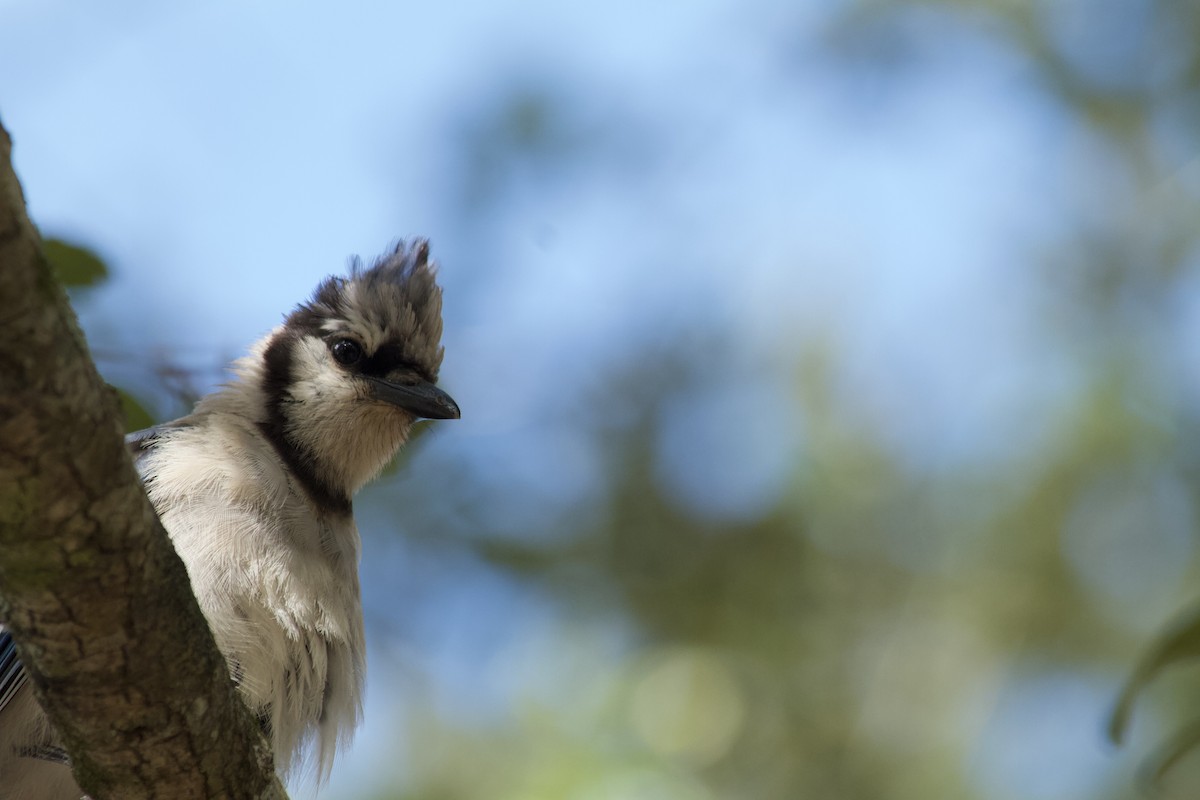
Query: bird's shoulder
x,y
142,443
218,433
215,464
205,449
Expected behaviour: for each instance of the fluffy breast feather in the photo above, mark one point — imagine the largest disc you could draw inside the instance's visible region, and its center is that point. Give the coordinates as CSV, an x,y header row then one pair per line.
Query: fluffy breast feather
x,y
277,582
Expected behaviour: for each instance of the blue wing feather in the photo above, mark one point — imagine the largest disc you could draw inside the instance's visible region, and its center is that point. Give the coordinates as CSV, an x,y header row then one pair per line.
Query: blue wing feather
x,y
12,673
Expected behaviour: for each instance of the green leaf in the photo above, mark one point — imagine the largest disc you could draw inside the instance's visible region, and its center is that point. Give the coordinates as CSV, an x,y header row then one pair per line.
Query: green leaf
x,y
74,266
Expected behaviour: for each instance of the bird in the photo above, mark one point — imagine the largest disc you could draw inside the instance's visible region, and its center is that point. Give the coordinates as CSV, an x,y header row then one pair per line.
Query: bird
x,y
255,490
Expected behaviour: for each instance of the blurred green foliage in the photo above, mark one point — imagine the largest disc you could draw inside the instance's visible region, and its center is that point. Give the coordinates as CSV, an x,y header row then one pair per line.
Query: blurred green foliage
x,y
78,267
871,634
75,266
1179,643
137,417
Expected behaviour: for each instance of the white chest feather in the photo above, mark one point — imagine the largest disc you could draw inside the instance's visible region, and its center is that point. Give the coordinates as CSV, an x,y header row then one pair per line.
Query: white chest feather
x,y
277,581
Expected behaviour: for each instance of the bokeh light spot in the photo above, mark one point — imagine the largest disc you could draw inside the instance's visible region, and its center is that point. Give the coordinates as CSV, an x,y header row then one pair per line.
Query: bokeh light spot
x,y
687,704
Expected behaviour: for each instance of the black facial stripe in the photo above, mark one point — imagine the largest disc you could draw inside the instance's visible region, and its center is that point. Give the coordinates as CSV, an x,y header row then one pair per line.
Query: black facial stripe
x,y
277,380
381,367
384,361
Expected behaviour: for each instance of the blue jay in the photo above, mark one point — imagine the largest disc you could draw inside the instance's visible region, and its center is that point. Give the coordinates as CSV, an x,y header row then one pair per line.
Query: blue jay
x,y
254,489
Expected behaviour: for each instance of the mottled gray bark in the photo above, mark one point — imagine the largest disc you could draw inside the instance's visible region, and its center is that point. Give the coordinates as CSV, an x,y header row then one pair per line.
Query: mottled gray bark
x,y
90,586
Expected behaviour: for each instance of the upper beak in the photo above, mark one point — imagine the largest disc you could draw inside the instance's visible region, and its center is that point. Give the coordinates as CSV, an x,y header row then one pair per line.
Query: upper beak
x,y
422,398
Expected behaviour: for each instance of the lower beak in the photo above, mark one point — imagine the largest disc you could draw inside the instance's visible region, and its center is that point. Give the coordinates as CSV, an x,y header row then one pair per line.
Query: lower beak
x,y
422,398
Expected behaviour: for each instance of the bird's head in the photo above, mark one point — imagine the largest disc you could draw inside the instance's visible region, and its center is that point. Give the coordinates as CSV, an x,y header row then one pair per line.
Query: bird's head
x,y
348,372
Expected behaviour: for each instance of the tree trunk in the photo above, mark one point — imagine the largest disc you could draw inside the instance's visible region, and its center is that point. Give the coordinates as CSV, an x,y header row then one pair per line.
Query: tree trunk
x,y
91,588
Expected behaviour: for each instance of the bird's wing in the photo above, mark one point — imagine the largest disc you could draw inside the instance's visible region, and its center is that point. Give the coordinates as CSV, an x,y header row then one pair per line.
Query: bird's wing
x,y
12,673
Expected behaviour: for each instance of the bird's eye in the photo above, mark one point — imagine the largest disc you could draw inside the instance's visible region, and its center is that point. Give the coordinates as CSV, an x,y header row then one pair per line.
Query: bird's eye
x,y
346,352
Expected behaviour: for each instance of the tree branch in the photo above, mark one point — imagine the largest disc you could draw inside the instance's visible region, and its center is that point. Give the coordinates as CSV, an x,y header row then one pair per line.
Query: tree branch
x,y
90,586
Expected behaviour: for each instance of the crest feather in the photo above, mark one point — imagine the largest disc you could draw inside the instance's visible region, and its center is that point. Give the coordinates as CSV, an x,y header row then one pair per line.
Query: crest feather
x,y
395,300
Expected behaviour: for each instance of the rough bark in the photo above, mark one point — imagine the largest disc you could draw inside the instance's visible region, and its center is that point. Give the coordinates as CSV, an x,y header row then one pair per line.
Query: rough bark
x,y
97,600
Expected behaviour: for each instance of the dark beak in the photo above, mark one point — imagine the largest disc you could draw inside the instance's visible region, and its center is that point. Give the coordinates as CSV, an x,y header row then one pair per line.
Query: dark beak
x,y
422,398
